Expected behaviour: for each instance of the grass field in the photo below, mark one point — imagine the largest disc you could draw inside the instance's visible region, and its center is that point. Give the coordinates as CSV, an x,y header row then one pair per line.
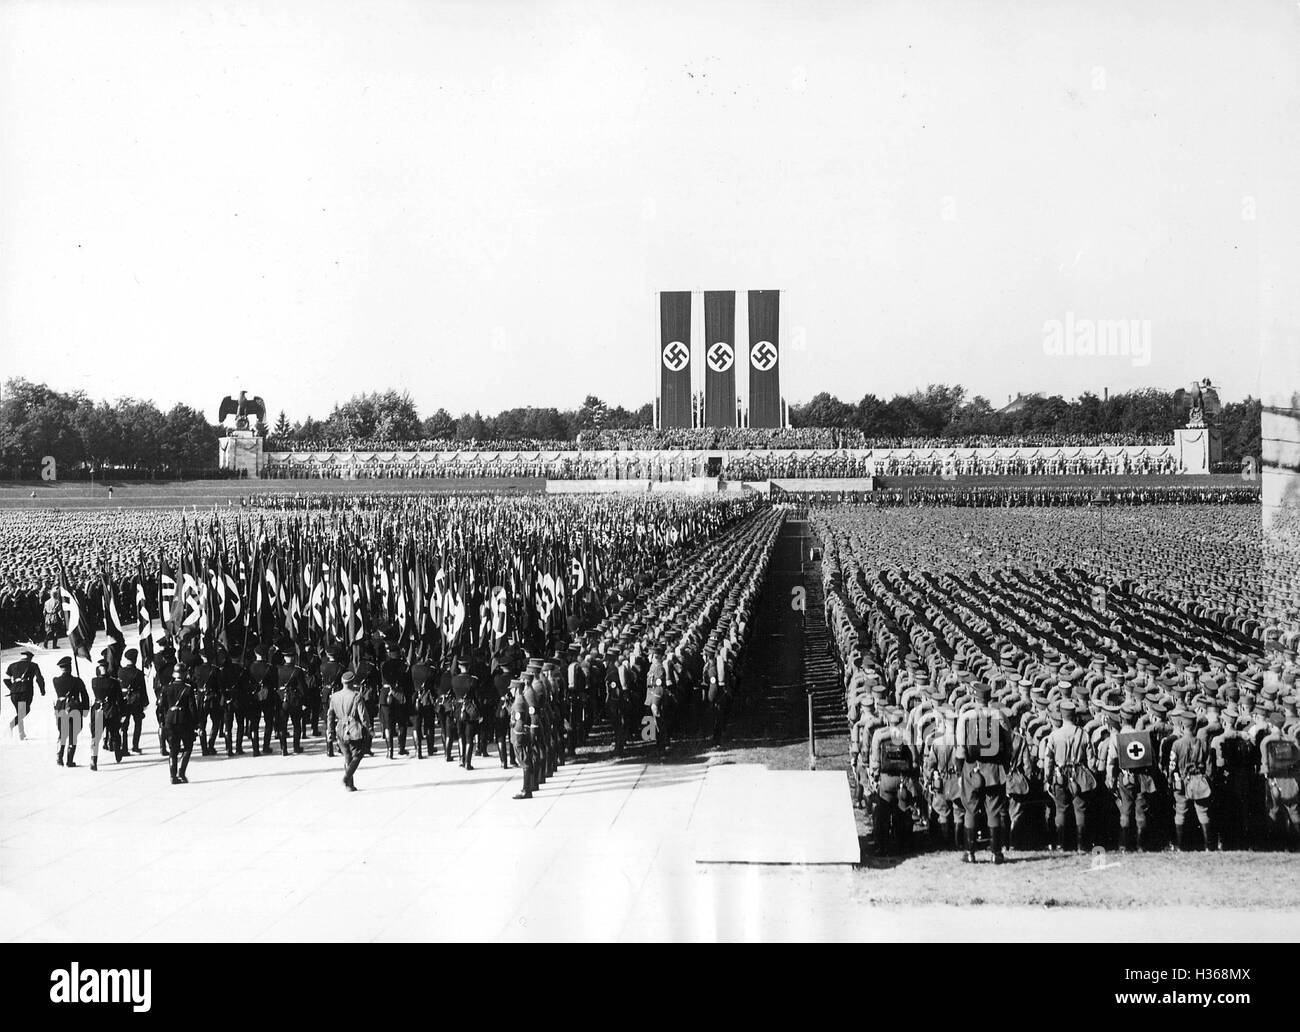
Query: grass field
x,y
151,494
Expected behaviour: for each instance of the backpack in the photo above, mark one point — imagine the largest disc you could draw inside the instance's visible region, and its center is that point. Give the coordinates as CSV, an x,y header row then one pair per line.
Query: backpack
x,y
1281,758
895,757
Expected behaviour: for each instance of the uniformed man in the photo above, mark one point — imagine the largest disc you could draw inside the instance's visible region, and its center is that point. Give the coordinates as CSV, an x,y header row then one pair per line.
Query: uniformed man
x,y
52,612
348,724
522,728
615,707
105,714
424,705
1189,771
464,687
180,721
292,692
70,705
164,666
1236,766
943,779
983,741
504,697
1069,776
135,700
1136,790
1280,749
331,679
22,678
264,700
893,771
394,696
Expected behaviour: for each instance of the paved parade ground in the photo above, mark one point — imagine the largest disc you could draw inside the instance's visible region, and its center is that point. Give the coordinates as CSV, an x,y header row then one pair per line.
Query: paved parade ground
x,y
272,848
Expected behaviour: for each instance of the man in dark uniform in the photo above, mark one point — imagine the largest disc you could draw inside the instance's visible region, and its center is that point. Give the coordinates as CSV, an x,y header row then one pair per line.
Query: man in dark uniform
x,y
22,678
263,700
331,679
464,687
424,705
486,701
180,719
504,693
105,714
135,699
164,665
393,699
289,687
309,664
231,677
945,817
369,683
615,705
70,705
207,690
522,728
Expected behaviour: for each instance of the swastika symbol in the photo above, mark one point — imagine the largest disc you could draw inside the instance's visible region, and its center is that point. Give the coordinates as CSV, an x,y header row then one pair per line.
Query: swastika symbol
x,y
1135,750
676,355
762,356
721,356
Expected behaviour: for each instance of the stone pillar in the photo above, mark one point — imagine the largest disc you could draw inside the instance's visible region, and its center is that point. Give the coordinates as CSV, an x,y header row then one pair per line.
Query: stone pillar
x,y
242,450
1198,448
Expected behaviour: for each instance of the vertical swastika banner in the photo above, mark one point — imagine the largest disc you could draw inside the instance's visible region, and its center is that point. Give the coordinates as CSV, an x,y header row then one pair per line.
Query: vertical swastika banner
x,y
675,358
764,358
719,358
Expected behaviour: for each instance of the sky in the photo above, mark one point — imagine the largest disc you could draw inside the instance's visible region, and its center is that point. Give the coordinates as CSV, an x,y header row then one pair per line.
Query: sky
x,y
476,201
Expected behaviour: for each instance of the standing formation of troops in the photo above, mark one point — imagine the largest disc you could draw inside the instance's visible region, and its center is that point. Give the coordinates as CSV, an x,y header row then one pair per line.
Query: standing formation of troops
x,y
1035,703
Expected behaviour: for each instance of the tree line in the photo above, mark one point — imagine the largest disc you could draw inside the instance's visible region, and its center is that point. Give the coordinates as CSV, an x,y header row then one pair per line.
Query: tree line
x,y
390,416
942,410
130,434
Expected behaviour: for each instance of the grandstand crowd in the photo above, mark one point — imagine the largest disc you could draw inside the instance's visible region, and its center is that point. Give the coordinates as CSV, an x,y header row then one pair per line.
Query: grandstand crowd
x,y
712,438
668,465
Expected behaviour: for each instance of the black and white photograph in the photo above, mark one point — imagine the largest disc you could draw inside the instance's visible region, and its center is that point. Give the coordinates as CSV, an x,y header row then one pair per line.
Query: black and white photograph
x,y
571,471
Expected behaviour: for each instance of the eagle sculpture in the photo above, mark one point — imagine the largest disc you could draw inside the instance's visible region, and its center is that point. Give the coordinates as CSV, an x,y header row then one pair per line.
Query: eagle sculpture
x,y
1198,401
241,409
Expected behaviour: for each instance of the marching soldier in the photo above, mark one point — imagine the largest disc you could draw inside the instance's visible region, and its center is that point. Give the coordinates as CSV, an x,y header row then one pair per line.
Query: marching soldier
x,y
70,705
135,699
105,714
501,686
396,690
424,705
291,692
164,665
331,679
464,687
22,678
180,720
